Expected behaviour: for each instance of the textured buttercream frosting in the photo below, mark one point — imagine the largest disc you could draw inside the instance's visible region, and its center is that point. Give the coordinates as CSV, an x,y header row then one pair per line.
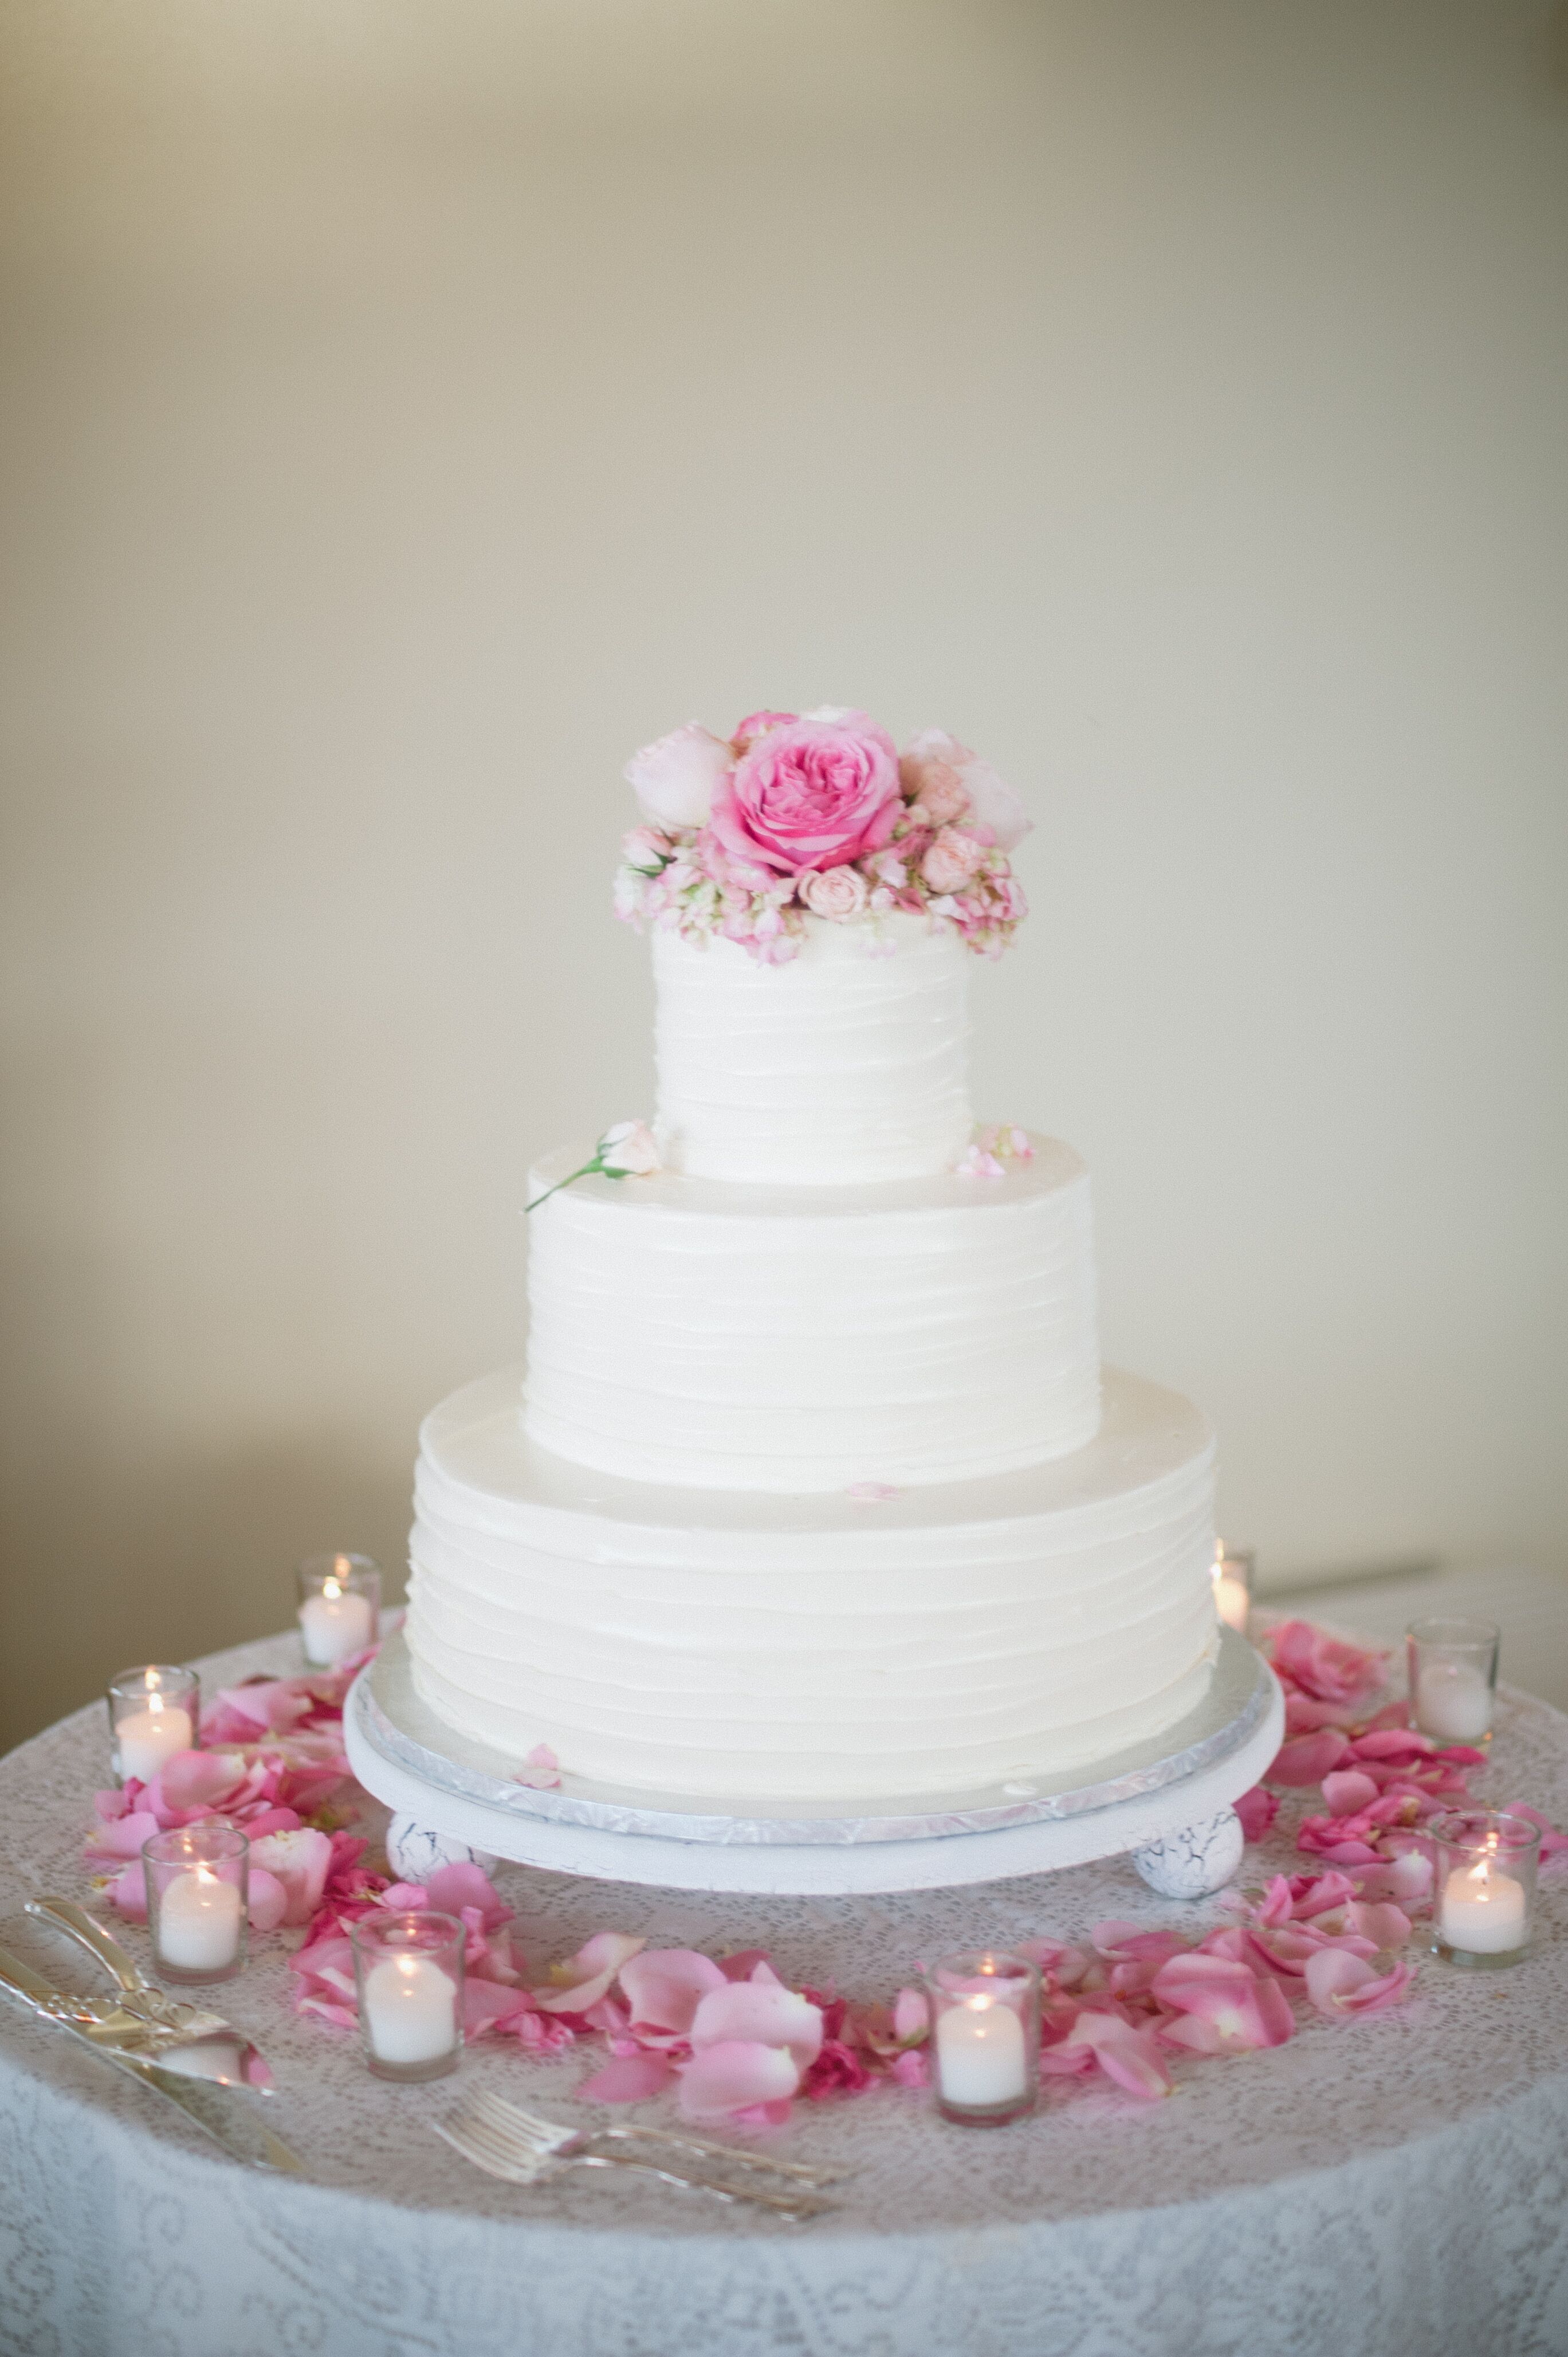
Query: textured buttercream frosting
x,y
760,1648
809,1496
844,1066
813,1338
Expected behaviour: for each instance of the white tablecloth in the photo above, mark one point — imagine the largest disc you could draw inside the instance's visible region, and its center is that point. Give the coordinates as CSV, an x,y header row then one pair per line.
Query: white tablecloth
x,y
1396,2186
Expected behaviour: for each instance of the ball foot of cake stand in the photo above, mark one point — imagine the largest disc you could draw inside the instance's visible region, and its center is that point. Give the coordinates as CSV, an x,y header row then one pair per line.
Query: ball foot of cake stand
x,y
1167,1803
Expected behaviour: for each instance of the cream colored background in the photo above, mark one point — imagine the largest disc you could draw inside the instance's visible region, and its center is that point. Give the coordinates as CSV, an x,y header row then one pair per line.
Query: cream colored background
x,y
409,410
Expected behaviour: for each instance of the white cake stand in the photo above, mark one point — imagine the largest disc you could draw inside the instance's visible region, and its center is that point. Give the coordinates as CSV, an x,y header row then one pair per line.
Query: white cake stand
x,y
1168,1803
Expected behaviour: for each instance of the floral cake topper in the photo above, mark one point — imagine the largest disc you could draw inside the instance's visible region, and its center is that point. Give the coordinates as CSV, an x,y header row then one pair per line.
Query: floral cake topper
x,y
818,813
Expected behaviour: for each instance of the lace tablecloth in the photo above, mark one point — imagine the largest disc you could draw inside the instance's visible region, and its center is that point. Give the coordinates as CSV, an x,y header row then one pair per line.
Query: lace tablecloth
x,y
1396,2185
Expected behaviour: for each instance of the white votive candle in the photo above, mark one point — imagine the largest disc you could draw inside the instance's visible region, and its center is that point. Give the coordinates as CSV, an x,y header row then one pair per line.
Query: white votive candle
x,y
1453,1699
146,1738
198,1921
410,2009
1232,1601
336,1624
1482,1911
980,2053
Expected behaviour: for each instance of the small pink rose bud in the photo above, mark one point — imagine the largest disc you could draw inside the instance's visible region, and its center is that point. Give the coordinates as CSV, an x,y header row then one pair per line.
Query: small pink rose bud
x,y
836,892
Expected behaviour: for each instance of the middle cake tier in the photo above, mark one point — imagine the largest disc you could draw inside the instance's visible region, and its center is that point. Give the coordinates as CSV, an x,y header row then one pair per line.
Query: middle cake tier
x,y
812,1339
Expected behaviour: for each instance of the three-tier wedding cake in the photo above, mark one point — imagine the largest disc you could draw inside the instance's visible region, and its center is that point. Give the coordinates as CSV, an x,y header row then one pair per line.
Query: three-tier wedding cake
x,y
814,1490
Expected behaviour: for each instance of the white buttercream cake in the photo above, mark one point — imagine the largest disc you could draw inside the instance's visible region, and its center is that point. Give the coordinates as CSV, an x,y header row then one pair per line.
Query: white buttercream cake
x,y
812,1487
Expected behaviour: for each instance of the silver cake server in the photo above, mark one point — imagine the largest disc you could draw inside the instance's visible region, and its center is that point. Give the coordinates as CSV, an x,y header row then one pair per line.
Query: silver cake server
x,y
235,2127
143,2020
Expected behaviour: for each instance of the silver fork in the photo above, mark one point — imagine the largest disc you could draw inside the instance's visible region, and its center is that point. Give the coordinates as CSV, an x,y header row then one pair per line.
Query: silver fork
x,y
520,2157
504,2115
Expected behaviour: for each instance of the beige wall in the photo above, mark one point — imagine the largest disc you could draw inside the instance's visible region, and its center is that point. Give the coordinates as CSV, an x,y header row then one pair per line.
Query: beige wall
x,y
410,409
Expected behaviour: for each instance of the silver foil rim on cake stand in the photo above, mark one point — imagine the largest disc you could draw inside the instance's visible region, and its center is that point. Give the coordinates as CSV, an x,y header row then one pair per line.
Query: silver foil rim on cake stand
x,y
392,1719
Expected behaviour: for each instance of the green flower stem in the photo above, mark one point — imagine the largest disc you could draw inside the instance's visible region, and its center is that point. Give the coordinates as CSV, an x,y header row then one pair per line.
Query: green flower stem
x,y
589,1170
597,1168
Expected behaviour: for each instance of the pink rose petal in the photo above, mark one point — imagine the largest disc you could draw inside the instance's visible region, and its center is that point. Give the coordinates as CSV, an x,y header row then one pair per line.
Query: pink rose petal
x,y
489,2005
754,2011
269,1901
196,1779
1554,1845
128,1893
1324,1666
272,1821
1339,1984
664,1985
733,2076
583,1979
1248,2009
911,2016
741,1966
1130,2058
627,2079
1345,1790
1307,1759
451,1889
122,1837
540,1770
1405,1880
1257,1810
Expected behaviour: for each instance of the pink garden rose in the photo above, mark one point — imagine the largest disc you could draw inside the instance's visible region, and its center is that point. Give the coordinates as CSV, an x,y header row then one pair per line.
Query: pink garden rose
x,y
288,1874
816,794
837,892
674,779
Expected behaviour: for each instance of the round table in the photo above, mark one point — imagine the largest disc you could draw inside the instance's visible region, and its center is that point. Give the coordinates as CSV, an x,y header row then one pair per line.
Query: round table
x,y
1393,2186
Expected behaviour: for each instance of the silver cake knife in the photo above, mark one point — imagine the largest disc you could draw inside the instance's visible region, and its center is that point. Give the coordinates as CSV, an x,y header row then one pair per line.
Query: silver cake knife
x,y
235,2127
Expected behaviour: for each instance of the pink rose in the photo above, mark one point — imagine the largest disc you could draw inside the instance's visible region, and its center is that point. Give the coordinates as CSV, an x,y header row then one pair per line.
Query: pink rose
x,y
675,778
837,892
952,860
288,1874
944,797
933,763
818,793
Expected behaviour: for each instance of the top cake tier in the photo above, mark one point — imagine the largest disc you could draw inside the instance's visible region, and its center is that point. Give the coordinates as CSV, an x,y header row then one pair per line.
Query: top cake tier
x,y
847,1066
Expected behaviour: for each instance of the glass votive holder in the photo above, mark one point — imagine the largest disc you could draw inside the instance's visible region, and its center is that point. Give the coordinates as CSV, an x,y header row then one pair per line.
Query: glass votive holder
x,y
985,2036
1483,1891
153,1713
1233,1569
339,1607
198,1888
408,1967
1453,1678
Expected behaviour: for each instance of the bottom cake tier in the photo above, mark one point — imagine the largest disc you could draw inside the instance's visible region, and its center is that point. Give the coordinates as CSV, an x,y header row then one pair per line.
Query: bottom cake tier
x,y
748,1649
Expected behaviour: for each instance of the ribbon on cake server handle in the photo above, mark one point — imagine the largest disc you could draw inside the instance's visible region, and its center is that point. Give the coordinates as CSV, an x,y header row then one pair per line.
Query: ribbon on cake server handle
x,y
626,1150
